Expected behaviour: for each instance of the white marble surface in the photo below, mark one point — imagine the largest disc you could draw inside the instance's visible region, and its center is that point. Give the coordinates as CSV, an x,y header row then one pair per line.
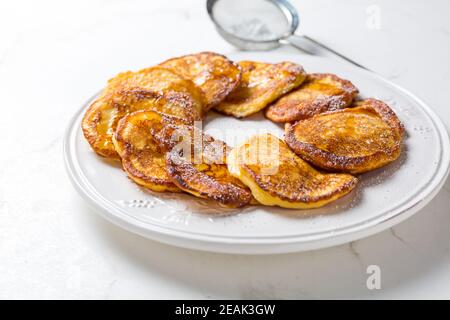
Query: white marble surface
x,y
56,54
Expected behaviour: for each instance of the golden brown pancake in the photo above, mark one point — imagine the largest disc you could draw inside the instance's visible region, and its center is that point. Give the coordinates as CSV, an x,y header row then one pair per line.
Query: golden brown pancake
x,y
261,84
142,157
213,73
277,177
358,139
197,165
148,89
320,92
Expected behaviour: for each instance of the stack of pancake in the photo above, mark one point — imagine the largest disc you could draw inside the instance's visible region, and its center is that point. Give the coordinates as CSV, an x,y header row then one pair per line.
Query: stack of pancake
x,y
148,120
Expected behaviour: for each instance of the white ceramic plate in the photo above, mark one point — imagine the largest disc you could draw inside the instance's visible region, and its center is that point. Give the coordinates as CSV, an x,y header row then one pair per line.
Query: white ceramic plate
x,y
382,199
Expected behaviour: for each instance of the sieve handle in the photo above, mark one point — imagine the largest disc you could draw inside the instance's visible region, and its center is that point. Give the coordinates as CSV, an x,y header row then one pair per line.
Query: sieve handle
x,y
311,46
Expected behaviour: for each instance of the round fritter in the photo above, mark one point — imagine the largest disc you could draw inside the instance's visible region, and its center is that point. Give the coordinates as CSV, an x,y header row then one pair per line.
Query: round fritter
x,y
261,84
213,73
197,165
358,139
277,177
142,157
149,89
320,92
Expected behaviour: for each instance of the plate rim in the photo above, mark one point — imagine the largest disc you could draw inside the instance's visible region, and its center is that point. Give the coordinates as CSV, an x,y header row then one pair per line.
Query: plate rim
x,y
119,217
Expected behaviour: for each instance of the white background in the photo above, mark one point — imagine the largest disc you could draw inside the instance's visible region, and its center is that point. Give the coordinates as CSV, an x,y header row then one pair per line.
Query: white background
x,y
54,55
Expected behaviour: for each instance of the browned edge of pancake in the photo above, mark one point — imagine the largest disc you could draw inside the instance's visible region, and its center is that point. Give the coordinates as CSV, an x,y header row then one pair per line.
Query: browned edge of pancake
x,y
323,158
128,150
226,90
310,108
